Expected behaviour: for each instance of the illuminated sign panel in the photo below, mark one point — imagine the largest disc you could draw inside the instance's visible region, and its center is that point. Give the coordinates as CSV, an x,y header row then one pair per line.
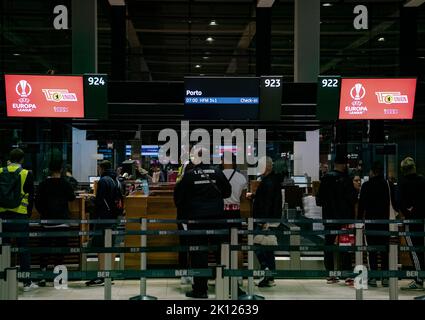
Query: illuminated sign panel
x,y
377,98
44,96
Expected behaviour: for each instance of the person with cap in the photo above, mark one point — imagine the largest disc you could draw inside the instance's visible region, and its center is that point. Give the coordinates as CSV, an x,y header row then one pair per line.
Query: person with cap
x,y
337,197
412,206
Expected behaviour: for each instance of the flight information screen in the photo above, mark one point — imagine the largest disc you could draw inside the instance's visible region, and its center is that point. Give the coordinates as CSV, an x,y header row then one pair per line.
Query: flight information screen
x,y
211,98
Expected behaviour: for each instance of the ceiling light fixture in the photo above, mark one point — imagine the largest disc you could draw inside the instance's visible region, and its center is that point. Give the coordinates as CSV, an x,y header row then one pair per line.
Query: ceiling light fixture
x,y
327,4
210,39
381,39
413,3
265,3
213,23
198,66
16,54
205,57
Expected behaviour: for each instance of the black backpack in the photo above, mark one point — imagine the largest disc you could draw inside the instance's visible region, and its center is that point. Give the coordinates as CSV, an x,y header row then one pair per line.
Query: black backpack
x,y
10,188
116,208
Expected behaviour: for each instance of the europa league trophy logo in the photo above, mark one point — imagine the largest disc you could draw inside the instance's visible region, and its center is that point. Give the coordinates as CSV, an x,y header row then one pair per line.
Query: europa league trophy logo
x,y
358,91
23,89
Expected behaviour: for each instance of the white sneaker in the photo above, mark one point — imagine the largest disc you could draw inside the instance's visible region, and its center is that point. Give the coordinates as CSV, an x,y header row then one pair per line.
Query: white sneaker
x,y
29,287
186,280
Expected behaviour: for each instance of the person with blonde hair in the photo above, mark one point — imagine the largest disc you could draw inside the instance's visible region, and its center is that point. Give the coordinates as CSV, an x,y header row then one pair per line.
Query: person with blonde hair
x,y
412,191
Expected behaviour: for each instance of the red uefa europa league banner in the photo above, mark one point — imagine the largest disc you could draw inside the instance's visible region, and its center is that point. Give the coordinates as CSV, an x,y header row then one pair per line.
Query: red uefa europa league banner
x,y
44,96
377,98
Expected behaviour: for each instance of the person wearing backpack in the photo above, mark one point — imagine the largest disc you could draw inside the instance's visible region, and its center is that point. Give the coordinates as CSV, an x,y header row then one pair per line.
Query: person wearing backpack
x,y
108,205
16,202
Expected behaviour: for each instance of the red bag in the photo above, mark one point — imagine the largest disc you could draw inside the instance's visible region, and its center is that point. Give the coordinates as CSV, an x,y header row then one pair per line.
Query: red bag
x,y
347,239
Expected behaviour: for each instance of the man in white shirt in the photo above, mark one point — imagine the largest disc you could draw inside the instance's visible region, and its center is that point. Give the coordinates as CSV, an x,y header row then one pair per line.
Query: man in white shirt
x,y
232,205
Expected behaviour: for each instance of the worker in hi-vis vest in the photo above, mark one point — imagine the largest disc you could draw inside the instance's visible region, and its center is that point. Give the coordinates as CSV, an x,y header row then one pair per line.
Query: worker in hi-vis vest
x,y
16,202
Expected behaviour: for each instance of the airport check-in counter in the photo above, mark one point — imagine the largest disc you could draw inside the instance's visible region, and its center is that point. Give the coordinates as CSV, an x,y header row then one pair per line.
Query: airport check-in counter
x,y
158,205
77,210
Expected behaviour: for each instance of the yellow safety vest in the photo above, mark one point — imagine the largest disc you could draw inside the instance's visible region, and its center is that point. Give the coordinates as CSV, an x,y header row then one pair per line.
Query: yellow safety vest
x,y
22,208
180,173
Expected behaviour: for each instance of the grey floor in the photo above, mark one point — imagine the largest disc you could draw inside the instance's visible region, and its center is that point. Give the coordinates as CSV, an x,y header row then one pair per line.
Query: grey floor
x,y
171,289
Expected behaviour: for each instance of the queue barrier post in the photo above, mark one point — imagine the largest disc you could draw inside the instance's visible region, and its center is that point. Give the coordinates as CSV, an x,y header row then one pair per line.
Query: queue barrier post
x,y
234,263
393,263
359,257
12,283
143,263
225,248
295,240
219,283
5,264
108,265
2,282
250,295
423,296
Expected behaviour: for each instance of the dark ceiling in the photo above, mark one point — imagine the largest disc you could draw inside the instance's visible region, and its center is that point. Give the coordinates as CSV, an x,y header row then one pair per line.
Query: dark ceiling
x,y
170,40
166,40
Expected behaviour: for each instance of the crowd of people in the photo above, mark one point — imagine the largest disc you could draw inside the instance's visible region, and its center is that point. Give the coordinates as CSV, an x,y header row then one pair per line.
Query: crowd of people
x,y
342,196
18,198
204,192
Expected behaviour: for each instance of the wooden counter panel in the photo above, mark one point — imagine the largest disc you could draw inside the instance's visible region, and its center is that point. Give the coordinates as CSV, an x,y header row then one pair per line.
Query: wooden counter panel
x,y
158,207
163,209
135,208
152,207
77,211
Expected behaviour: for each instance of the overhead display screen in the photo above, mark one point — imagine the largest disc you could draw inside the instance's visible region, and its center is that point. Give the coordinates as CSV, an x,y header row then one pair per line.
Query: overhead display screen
x,y
227,98
150,150
377,98
44,96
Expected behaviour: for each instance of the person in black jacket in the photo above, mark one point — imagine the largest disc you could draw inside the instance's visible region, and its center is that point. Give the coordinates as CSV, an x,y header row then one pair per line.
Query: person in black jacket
x,y
374,204
201,192
67,173
267,205
337,197
412,206
182,214
107,191
53,197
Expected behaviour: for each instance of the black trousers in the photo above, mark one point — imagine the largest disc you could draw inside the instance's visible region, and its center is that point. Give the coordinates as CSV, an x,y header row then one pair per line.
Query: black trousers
x,y
344,257
183,255
199,259
417,257
373,255
58,242
266,258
